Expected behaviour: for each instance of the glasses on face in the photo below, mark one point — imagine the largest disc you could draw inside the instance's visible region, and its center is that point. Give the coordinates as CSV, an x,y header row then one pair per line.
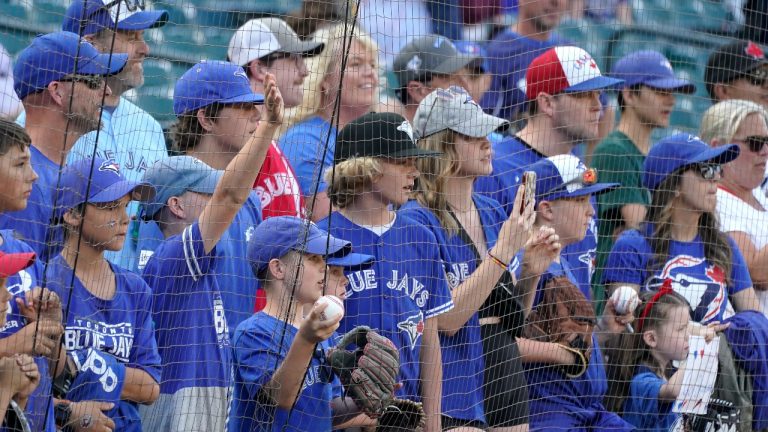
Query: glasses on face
x,y
94,82
758,78
709,171
756,143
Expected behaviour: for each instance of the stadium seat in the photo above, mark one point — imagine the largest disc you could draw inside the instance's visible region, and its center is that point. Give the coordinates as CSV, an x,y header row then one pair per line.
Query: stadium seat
x,y
49,13
156,100
591,36
14,41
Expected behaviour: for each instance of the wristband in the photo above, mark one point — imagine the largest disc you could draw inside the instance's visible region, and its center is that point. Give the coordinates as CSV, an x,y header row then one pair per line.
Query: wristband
x,y
498,262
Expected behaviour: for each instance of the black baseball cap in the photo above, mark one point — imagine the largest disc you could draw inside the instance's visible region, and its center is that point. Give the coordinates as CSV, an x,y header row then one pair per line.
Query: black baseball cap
x,y
733,61
386,135
430,54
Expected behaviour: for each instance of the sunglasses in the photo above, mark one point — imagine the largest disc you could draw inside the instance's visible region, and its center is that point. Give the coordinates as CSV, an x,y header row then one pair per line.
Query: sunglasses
x,y
755,142
93,82
758,78
709,171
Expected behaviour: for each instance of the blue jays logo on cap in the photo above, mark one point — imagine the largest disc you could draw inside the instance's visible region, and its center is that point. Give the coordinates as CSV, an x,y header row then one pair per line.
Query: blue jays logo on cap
x,y
111,166
413,326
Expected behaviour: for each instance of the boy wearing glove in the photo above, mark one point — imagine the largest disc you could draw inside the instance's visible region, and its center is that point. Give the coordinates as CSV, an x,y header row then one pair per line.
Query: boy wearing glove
x,y
286,373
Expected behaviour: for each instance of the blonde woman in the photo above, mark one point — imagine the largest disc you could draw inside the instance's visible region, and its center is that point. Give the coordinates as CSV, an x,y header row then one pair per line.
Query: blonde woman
x,y
405,292
483,380
742,207
310,141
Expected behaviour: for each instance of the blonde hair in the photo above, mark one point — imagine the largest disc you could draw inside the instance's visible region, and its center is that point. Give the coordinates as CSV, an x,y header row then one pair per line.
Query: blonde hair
x,y
350,178
335,38
722,120
434,173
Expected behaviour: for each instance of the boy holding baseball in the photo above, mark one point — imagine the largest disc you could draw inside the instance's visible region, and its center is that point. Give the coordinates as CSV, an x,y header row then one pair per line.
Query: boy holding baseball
x,y
274,388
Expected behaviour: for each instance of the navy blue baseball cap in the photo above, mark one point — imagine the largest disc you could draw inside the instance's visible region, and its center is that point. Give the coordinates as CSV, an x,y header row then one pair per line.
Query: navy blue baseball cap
x,y
211,82
652,69
175,175
89,17
680,150
53,56
351,261
279,235
97,181
565,176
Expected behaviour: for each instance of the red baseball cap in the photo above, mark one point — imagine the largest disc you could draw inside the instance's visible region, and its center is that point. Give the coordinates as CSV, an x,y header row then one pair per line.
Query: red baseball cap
x,y
565,69
12,263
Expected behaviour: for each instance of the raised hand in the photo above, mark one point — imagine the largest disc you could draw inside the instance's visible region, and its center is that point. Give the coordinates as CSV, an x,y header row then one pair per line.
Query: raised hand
x,y
516,230
273,101
40,304
89,416
542,248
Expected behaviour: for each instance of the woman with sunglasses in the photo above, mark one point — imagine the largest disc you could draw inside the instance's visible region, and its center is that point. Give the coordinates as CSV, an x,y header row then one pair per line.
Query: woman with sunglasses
x,y
681,244
742,207
483,379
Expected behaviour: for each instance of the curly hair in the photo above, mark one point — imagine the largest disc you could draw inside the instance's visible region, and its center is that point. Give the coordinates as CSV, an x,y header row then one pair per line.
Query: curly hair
x,y
348,179
187,132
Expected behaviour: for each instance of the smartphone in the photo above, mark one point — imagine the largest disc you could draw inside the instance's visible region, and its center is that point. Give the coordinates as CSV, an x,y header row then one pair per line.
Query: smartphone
x,y
529,189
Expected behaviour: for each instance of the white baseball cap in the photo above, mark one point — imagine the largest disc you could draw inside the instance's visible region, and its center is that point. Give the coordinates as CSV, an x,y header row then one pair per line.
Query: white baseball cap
x,y
260,37
565,69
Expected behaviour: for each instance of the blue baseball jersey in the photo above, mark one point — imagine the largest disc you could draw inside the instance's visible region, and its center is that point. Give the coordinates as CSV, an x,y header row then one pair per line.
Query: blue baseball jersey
x,y
121,326
261,344
509,55
237,283
643,409
405,286
511,157
39,409
303,144
33,224
190,323
559,402
703,284
462,353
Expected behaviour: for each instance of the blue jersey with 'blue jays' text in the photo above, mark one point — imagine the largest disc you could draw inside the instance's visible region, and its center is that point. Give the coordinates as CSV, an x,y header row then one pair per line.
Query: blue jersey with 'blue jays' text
x,y
120,327
511,157
40,403
405,286
462,353
705,286
261,344
190,323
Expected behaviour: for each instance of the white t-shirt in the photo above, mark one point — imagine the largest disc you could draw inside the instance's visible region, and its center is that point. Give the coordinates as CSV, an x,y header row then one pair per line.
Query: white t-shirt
x,y
737,215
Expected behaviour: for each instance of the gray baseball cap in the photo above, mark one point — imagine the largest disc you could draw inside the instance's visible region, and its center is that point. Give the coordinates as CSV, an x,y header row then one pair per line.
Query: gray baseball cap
x,y
453,109
430,54
175,175
260,37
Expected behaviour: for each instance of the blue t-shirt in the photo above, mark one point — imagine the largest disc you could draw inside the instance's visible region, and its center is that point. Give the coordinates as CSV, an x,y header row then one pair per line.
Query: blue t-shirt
x,y
190,323
303,145
509,55
405,286
701,283
121,326
512,157
33,224
237,283
40,403
462,353
643,409
260,346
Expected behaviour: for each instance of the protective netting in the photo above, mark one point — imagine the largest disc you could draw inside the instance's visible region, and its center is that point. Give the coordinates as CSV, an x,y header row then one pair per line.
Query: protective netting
x,y
384,215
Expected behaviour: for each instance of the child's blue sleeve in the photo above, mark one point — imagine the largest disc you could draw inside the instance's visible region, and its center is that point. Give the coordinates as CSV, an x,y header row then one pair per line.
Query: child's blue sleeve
x,y
145,355
256,359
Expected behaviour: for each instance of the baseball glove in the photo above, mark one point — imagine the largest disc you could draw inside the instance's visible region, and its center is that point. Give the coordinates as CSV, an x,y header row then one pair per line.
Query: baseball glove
x,y
402,416
369,373
564,316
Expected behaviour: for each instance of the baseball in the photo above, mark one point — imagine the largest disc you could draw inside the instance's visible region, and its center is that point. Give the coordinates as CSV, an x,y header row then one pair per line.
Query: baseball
x,y
334,309
625,300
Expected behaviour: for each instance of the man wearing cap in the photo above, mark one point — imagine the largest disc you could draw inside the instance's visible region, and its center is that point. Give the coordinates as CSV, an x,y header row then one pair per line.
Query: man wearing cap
x,y
563,90
646,100
567,399
218,112
28,326
290,256
510,53
60,79
269,45
191,324
738,71
427,63
129,135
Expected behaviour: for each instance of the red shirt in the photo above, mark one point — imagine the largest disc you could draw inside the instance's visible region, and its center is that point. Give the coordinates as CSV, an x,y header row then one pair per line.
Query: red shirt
x,y
277,187
279,193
